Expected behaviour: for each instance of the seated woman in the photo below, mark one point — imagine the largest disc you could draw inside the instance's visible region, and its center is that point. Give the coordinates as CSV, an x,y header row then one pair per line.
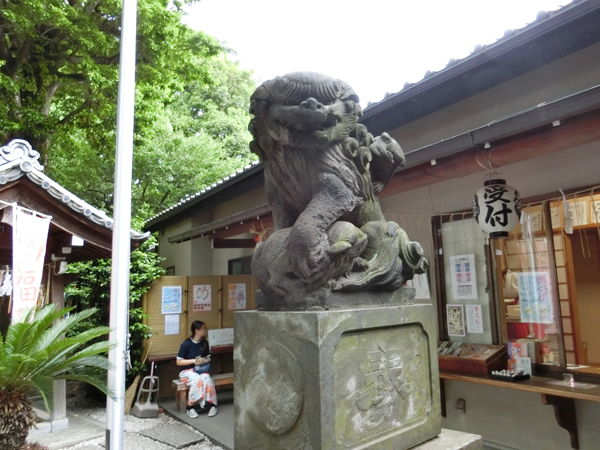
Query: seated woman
x,y
196,351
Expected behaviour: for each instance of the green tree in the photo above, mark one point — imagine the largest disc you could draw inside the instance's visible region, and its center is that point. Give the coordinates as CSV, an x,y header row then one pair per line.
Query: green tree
x,y
58,90
59,66
33,354
195,140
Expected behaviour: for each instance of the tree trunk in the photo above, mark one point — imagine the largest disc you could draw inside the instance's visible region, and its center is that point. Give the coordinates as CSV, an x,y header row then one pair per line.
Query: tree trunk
x,y
16,418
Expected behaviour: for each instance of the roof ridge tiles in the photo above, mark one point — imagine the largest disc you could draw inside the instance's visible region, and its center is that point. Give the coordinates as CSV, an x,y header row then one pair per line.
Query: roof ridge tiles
x,y
18,158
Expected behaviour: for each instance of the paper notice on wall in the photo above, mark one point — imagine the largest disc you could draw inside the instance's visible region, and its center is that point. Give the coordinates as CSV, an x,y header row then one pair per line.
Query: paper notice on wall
x,y
171,300
237,296
464,281
555,217
202,297
30,233
421,285
455,320
172,324
535,219
595,211
535,297
474,319
578,213
223,336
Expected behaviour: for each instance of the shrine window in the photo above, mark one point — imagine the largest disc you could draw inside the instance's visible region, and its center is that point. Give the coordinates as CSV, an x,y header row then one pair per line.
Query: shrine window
x,y
540,285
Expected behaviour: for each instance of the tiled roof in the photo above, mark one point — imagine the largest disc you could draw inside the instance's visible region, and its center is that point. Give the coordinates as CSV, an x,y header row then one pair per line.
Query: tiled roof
x,y
508,34
18,159
206,191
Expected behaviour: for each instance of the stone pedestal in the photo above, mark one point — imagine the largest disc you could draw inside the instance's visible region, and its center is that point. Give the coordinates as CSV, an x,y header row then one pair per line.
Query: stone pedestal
x,y
338,379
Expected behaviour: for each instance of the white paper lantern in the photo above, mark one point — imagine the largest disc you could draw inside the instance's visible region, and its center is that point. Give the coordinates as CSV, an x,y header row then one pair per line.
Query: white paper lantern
x,y
497,208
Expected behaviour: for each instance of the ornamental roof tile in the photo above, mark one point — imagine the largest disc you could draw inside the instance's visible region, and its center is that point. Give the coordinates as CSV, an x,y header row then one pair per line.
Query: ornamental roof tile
x,y
18,159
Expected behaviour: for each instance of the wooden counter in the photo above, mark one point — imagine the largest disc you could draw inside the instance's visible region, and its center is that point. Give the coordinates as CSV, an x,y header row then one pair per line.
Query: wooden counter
x,y
538,385
562,398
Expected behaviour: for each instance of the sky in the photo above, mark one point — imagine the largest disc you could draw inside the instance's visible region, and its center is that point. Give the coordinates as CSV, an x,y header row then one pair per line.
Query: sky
x,y
374,45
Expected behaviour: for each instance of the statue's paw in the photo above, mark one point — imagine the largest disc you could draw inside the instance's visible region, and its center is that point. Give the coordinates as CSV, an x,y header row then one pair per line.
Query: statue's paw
x,y
360,265
310,265
386,147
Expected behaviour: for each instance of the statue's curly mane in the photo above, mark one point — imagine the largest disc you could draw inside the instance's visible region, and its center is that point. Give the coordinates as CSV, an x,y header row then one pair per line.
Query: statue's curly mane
x,y
298,86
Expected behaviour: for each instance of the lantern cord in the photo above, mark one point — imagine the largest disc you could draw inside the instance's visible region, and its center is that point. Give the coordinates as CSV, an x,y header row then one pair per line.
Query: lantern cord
x,y
490,168
481,165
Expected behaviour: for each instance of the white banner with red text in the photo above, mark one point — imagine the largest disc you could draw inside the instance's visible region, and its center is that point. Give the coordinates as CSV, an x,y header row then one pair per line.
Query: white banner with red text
x,y
30,233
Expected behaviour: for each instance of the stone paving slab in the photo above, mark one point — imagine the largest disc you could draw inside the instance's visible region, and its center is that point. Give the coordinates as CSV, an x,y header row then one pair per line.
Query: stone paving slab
x,y
452,440
175,435
81,428
134,441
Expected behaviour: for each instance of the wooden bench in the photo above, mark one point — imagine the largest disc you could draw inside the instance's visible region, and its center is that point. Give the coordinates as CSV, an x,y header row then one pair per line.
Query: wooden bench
x,y
221,379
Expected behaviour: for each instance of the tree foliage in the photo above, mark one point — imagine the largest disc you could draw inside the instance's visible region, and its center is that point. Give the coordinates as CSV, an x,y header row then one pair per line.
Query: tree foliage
x,y
60,64
58,90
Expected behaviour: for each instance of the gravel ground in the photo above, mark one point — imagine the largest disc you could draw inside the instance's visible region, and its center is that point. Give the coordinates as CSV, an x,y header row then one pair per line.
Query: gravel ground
x,y
79,403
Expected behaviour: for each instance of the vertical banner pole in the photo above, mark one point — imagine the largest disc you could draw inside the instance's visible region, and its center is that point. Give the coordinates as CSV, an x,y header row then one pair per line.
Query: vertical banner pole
x,y
121,242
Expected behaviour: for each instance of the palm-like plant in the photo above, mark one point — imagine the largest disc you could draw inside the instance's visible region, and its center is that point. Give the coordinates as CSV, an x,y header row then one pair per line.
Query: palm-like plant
x,y
34,354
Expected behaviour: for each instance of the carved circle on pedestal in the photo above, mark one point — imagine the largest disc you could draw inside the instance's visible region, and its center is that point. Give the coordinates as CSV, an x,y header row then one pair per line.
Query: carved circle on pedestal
x,y
273,386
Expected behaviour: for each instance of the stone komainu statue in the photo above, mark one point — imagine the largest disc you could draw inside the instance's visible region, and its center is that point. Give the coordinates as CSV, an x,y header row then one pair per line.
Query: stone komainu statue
x,y
323,171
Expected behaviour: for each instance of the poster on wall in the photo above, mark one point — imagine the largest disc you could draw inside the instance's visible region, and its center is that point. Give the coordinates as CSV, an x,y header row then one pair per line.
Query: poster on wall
x,y
171,324
474,319
171,300
555,217
535,297
237,296
202,297
464,281
421,285
595,211
455,320
535,219
578,213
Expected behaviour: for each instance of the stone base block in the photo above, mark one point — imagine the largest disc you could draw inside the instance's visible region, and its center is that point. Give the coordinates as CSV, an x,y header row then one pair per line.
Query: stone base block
x,y
40,428
336,380
60,424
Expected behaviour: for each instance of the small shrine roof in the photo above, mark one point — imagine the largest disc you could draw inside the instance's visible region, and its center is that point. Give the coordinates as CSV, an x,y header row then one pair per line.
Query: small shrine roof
x,y
70,214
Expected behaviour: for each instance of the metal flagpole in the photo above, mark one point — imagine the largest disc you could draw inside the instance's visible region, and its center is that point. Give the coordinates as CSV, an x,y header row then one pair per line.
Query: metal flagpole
x,y
121,242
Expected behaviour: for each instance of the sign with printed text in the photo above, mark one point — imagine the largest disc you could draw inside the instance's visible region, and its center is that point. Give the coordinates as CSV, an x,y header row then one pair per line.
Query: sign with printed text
x,y
30,233
237,296
535,297
595,211
171,324
171,300
464,281
202,297
474,319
